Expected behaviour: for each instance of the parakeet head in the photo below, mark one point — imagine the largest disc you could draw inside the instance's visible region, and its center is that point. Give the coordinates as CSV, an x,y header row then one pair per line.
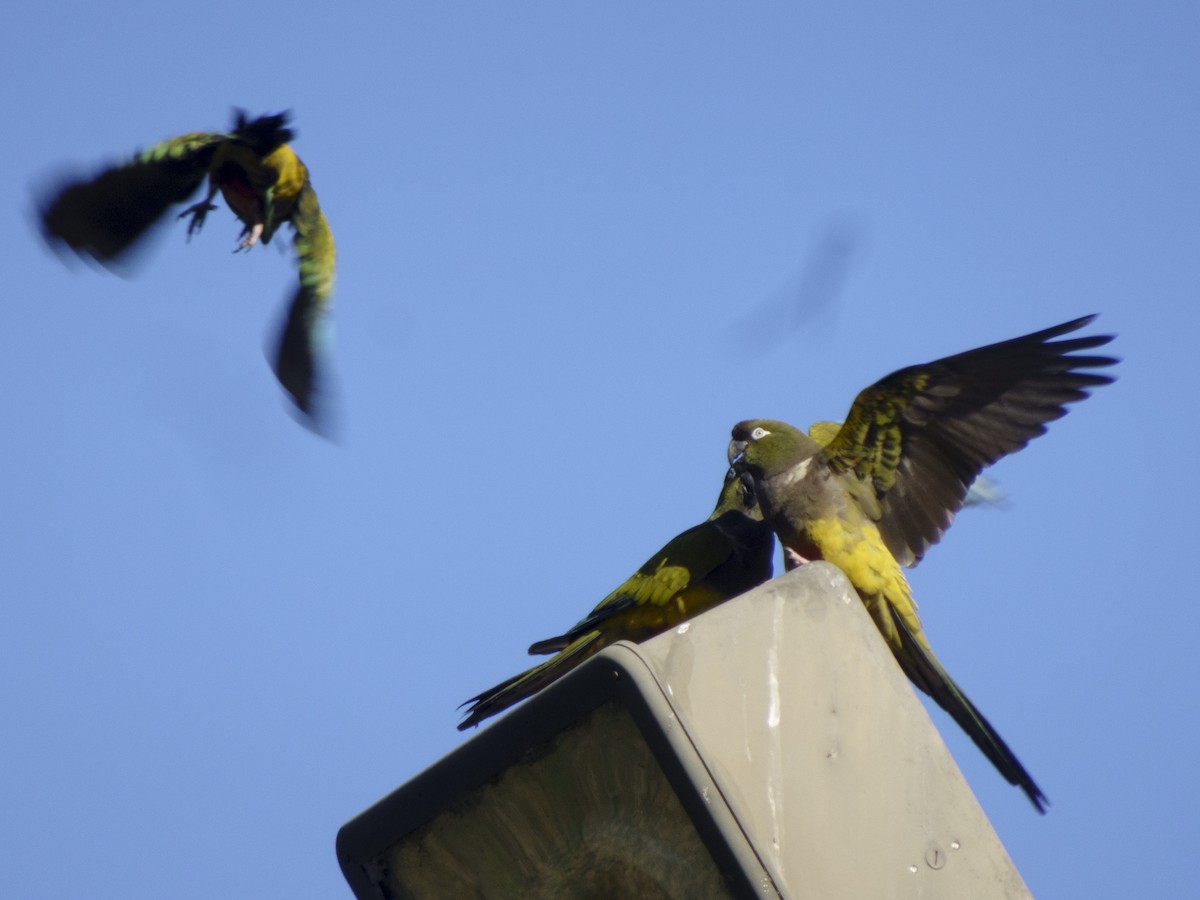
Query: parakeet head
x,y
737,495
764,447
263,134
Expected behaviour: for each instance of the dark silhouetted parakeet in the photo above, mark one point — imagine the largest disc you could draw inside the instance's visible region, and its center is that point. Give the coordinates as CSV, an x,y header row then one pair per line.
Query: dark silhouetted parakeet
x,y
265,185
721,558
876,495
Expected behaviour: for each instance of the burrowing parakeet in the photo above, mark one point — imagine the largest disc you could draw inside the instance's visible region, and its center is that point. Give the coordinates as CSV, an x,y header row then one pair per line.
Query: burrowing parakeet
x,y
875,496
265,184
724,556
675,584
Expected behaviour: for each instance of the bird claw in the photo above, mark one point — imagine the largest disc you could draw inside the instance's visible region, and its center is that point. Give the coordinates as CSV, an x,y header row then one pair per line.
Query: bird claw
x,y
198,212
250,235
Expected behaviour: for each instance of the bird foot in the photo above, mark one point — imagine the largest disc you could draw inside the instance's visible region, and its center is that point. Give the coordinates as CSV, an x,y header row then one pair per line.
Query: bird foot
x,y
250,236
793,560
198,212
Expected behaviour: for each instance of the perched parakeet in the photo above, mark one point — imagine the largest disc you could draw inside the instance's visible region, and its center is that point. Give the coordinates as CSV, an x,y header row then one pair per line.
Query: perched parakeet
x,y
875,496
723,557
265,185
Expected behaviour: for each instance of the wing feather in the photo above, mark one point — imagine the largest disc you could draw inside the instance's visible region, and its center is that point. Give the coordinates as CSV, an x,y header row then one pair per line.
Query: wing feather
x,y
103,216
921,435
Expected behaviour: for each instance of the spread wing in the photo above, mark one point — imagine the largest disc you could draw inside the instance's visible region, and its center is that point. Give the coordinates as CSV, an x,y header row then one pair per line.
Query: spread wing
x,y
105,215
920,436
296,359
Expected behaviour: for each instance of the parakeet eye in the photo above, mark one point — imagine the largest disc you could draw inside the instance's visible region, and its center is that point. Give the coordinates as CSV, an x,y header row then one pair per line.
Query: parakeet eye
x,y
758,433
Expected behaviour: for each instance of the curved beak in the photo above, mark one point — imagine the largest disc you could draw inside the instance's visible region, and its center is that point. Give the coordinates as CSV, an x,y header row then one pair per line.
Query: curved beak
x,y
736,452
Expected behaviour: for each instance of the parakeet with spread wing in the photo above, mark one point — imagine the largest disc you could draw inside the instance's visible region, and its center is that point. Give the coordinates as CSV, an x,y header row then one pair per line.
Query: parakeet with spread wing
x,y
265,184
877,494
724,556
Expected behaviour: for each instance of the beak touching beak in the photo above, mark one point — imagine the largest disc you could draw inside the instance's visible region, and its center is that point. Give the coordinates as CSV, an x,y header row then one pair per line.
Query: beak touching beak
x,y
737,450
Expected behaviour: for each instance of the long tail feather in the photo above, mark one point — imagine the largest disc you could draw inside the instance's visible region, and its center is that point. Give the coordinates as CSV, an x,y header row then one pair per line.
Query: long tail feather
x,y
515,689
923,668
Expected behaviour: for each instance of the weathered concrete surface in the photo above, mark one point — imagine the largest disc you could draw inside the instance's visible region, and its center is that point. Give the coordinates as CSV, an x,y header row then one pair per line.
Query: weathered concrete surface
x,y
769,748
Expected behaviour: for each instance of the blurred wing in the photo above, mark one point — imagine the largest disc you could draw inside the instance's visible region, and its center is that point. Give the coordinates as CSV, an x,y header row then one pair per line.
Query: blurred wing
x,y
104,216
985,492
297,356
920,436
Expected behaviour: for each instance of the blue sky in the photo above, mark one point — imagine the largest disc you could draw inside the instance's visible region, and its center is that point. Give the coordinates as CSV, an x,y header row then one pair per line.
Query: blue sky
x,y
223,637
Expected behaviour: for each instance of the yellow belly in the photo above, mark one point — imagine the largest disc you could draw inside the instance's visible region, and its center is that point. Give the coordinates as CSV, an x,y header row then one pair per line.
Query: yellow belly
x,y
858,550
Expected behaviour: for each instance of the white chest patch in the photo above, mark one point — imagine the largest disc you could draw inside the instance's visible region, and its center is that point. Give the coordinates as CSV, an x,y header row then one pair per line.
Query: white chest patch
x,y
796,473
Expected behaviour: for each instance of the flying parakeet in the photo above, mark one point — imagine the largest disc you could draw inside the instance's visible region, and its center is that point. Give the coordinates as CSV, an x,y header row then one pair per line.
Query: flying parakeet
x,y
721,558
265,185
875,496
